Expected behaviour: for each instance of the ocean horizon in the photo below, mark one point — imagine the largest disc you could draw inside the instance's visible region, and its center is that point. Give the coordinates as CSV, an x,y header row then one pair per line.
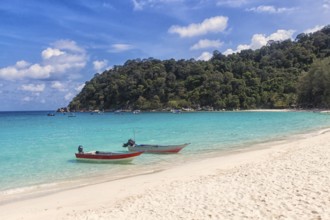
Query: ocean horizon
x,y
38,150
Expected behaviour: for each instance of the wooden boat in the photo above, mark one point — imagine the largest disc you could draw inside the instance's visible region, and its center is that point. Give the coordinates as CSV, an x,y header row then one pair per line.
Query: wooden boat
x,y
150,148
101,156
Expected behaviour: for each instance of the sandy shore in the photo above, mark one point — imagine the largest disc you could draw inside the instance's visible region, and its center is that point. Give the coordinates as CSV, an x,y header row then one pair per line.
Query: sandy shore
x,y
281,180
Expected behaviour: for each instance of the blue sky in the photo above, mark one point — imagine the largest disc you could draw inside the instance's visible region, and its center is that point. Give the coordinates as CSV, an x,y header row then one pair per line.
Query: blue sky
x,y
50,48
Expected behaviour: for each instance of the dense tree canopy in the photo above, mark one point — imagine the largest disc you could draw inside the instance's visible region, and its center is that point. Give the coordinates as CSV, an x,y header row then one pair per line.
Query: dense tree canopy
x,y
280,75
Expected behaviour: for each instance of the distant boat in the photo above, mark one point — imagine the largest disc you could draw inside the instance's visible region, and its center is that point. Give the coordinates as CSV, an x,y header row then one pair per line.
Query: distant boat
x,y
101,156
51,114
98,112
153,148
136,111
176,111
119,111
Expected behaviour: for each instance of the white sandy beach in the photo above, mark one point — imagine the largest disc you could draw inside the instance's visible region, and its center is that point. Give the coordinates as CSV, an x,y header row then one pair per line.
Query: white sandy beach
x,y
280,180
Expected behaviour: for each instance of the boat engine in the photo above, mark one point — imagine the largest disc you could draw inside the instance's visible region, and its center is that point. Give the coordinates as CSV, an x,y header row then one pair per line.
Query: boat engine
x,y
130,142
80,149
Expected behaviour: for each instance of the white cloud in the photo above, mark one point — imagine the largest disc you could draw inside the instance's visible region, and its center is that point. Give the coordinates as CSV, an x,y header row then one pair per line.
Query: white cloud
x,y
137,5
100,65
210,25
59,86
326,4
33,87
314,29
50,52
281,35
22,64
37,71
260,40
229,51
68,96
120,48
205,56
270,9
80,87
64,57
68,45
205,43
257,41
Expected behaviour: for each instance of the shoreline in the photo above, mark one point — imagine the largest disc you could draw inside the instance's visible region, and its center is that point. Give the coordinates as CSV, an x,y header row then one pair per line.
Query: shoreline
x,y
260,182
13,194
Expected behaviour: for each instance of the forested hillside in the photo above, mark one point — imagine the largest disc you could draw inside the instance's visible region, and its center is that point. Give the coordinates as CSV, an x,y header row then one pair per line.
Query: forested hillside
x,y
280,75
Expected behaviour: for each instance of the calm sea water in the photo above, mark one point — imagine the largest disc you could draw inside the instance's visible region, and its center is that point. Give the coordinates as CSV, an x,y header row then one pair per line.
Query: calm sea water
x,y
37,149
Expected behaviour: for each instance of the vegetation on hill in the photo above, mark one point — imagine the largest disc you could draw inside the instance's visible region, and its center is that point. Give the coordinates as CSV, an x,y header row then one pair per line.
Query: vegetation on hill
x,y
280,75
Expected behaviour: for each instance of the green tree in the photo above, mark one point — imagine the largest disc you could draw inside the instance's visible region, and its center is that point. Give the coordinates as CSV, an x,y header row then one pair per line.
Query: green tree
x,y
314,86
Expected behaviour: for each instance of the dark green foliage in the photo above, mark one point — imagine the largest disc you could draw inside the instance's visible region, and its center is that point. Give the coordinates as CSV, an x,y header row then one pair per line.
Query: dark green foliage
x,y
279,75
314,86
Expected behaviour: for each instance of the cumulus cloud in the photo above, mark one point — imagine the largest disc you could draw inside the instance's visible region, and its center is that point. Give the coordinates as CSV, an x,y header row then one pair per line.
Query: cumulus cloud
x,y
260,40
281,35
314,29
205,43
68,96
269,9
22,64
33,87
65,55
210,25
100,65
58,86
205,56
50,52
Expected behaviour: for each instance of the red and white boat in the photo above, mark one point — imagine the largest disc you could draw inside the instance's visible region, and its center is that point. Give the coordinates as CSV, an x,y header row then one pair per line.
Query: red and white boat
x,y
101,156
153,148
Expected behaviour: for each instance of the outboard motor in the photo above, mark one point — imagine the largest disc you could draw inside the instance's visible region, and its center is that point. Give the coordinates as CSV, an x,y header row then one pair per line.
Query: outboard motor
x,y
80,149
130,142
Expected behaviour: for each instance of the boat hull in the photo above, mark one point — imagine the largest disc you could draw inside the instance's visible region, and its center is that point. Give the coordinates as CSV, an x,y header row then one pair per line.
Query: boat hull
x,y
161,149
107,157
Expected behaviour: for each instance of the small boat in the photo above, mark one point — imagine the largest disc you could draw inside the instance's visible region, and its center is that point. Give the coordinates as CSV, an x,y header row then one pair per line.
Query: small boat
x,y
150,148
119,111
136,111
51,114
101,156
176,111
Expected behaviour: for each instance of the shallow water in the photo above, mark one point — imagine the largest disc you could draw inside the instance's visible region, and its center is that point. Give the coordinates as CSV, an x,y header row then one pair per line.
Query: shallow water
x,y
37,149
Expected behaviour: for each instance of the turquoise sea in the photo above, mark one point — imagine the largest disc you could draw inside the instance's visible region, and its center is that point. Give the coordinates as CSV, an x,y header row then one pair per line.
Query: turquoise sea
x,y
38,150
